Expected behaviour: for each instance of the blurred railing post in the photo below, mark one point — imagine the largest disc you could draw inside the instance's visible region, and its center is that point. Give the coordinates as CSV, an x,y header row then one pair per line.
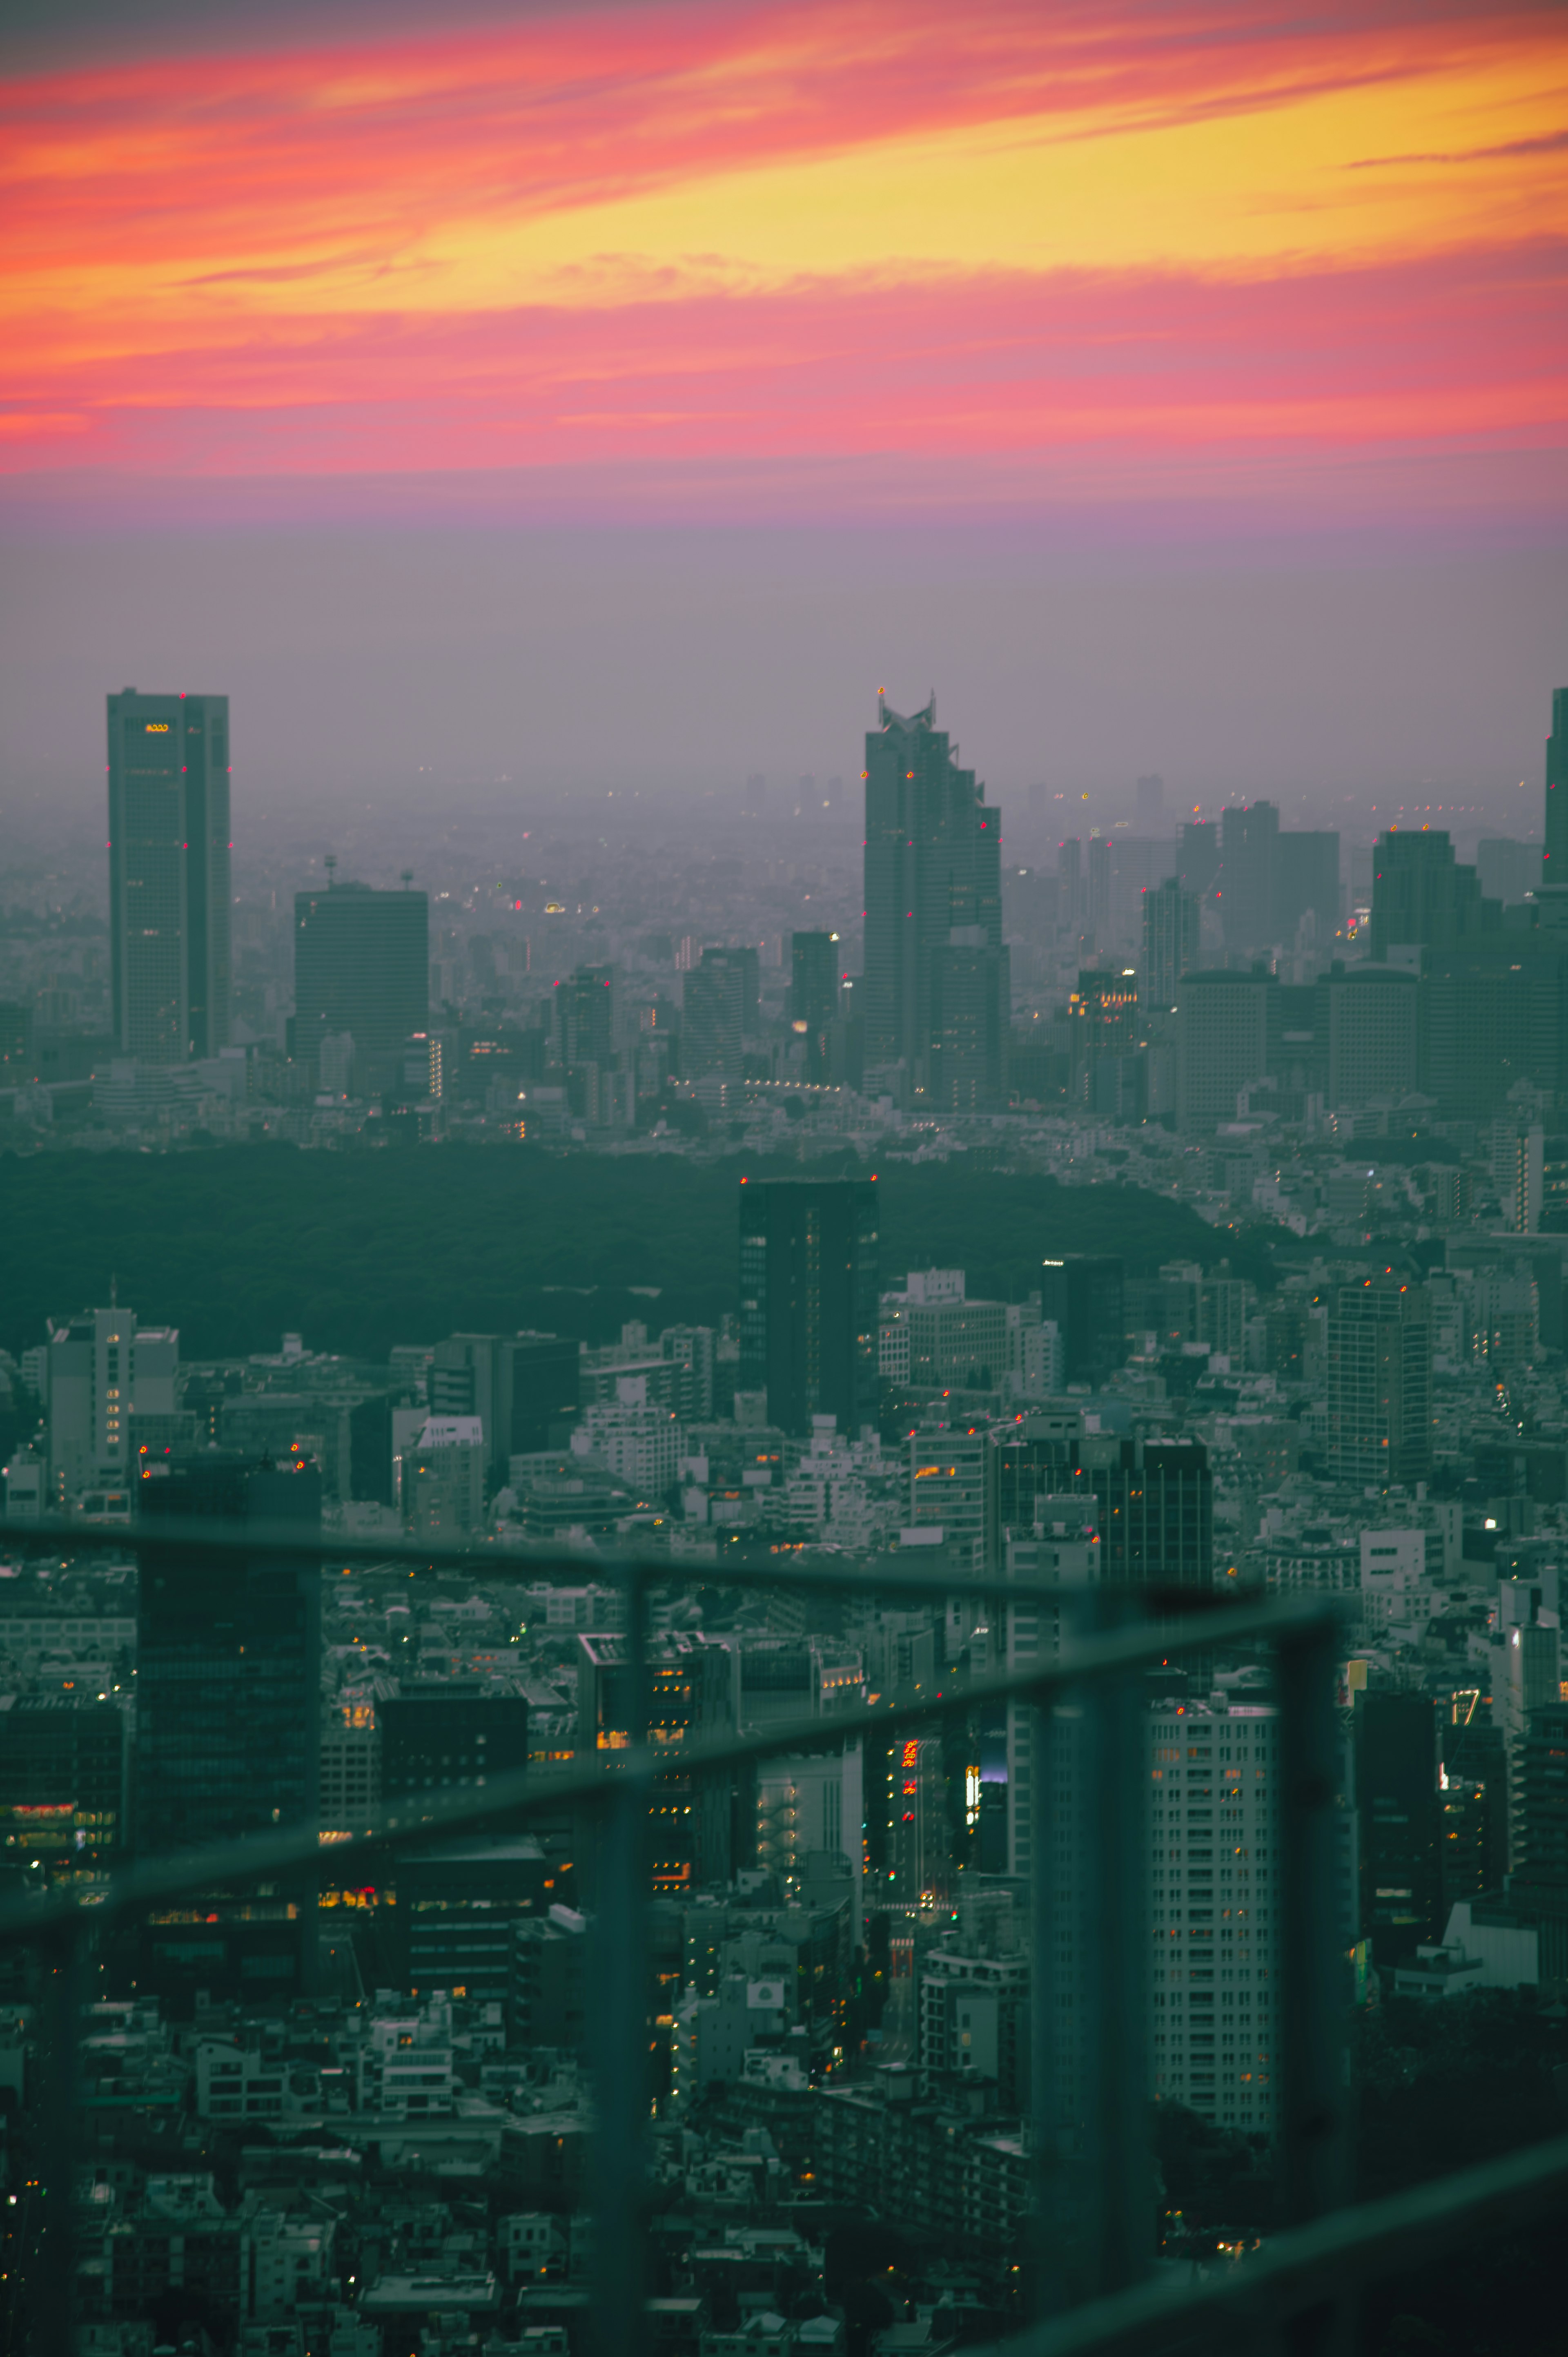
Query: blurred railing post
x,y
1315,2095
51,2289
1093,2174
618,2027
1111,1813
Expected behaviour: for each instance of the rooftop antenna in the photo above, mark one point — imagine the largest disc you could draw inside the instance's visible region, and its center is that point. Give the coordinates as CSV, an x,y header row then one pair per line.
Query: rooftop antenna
x,y
113,1293
331,864
407,874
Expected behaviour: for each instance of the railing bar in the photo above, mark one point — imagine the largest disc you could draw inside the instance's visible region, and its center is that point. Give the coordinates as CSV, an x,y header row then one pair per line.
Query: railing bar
x,y
1119,2116
1315,2107
1350,2245
526,1790
178,1535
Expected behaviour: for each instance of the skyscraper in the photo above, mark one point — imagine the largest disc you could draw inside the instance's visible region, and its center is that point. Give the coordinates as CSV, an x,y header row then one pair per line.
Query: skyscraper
x,y
1222,1042
228,1733
1555,865
362,965
1421,895
713,1015
932,883
168,875
809,1290
1380,1383
1083,1295
1170,943
1249,840
814,995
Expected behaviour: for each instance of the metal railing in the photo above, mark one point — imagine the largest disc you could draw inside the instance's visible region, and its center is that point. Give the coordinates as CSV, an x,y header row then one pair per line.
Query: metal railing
x,y
1301,2283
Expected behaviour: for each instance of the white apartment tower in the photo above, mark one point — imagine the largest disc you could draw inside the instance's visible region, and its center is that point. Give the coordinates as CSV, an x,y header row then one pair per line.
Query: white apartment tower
x,y
1214,1901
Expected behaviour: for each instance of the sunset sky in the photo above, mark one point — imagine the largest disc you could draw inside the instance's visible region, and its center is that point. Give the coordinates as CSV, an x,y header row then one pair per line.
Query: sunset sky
x,y
1175,266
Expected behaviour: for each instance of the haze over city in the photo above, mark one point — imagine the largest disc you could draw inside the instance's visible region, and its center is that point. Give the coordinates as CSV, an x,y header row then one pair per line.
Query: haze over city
x,y
783,1178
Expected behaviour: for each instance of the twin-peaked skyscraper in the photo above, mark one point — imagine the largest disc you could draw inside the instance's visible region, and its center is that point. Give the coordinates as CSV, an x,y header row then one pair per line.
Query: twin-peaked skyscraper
x,y
938,995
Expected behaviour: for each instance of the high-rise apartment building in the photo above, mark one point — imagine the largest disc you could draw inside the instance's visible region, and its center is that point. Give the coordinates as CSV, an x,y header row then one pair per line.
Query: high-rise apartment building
x,y
361,966
1379,1383
1170,944
937,995
1214,1909
814,995
808,1293
170,893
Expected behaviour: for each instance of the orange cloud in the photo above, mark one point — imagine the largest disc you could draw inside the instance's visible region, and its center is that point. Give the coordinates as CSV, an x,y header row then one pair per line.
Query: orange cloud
x,y
615,238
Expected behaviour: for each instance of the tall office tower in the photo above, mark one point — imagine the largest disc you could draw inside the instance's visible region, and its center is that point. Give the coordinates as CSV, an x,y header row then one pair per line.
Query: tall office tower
x,y
1422,897
1154,1499
228,1728
1249,845
1070,883
809,1286
1222,1043
101,1369
546,1390
1379,1383
932,881
1554,867
1197,849
1396,1805
814,995
1099,884
1083,1295
1170,944
168,875
970,1017
1365,1028
1306,883
584,1017
362,965
1214,1909
713,1015
750,962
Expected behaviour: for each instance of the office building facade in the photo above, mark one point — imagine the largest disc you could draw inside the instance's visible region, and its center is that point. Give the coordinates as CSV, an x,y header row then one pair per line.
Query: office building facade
x,y
1222,1043
937,985
102,1367
808,1293
1170,944
814,996
361,967
169,891
1379,1383
1082,1295
1554,864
